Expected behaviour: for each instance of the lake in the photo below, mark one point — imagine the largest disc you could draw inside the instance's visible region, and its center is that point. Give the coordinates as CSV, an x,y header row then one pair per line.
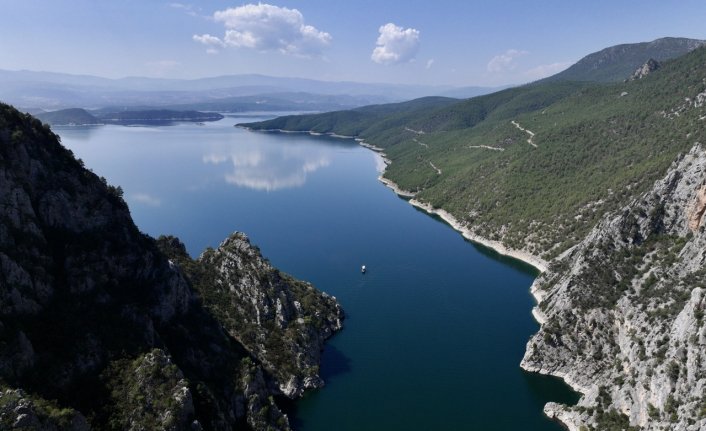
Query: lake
x,y
435,329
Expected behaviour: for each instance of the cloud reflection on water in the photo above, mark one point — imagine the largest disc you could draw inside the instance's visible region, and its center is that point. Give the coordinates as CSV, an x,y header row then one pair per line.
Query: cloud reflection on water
x,y
269,167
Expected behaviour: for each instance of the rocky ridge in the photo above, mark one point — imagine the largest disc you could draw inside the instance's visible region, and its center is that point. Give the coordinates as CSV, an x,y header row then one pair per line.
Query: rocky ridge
x,y
280,320
100,330
650,66
622,314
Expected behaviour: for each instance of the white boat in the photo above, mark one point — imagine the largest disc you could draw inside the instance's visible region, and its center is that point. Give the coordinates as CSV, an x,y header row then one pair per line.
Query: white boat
x,y
362,269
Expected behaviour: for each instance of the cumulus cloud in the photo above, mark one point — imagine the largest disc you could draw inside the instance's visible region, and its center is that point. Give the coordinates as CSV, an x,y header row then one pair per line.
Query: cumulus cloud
x,y
395,44
207,39
187,8
544,70
430,63
212,42
264,27
505,61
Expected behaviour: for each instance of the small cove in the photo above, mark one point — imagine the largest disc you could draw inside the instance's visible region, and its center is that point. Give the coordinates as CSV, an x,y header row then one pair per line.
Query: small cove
x,y
435,329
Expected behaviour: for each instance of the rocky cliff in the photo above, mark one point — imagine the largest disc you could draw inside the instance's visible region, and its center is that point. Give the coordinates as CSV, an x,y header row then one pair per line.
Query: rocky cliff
x,y
622,314
100,330
280,320
650,66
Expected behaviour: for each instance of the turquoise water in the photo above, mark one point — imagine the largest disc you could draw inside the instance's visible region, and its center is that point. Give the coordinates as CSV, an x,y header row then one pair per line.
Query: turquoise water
x,y
435,329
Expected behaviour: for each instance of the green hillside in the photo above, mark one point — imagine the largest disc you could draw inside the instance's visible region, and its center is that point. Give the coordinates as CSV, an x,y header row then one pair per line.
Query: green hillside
x,y
359,120
597,145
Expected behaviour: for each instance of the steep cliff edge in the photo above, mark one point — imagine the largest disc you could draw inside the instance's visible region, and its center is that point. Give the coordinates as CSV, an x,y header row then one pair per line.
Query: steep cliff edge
x,y
280,320
100,330
622,315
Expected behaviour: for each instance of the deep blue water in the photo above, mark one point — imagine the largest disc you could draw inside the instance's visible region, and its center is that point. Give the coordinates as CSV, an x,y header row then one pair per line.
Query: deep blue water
x,y
435,330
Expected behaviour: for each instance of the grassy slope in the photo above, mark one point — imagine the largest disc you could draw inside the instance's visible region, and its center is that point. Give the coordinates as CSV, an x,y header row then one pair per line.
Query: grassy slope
x,y
596,149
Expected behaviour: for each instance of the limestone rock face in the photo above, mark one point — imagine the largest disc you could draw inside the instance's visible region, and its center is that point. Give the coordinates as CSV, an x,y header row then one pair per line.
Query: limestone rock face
x,y
282,321
20,412
650,66
696,211
623,313
151,393
262,412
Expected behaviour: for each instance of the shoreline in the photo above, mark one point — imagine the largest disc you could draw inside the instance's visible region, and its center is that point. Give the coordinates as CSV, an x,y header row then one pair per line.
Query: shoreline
x,y
528,258
535,261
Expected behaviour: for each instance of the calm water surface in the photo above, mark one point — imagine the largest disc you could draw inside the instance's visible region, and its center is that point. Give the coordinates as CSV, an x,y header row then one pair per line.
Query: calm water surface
x,y
435,330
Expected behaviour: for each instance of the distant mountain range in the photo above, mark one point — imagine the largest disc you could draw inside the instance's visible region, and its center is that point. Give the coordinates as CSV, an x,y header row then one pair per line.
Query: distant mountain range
x,y
234,93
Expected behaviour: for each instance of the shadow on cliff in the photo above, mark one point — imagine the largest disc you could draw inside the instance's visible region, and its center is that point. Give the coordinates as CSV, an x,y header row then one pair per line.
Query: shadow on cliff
x,y
549,388
333,363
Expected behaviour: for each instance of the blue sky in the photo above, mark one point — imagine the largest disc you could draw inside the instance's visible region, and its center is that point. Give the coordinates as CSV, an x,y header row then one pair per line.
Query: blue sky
x,y
413,42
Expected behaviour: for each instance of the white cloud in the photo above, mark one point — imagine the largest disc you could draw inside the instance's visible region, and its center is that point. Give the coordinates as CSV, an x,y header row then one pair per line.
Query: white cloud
x,y
505,61
265,27
211,41
430,63
187,8
544,70
395,45
146,199
207,39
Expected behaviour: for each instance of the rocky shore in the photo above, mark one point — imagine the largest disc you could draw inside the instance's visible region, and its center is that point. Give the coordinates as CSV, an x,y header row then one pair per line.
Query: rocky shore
x,y
622,314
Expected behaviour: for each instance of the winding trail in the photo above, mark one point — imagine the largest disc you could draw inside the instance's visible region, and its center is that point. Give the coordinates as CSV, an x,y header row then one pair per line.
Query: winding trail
x,y
438,171
487,147
529,132
418,132
420,143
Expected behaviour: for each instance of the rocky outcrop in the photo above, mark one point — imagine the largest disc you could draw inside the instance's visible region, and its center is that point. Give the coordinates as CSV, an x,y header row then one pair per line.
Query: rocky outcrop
x,y
282,321
696,211
95,316
650,66
623,313
262,412
150,392
18,411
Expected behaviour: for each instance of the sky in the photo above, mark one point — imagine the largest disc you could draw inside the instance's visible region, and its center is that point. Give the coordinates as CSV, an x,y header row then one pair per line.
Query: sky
x,y
440,42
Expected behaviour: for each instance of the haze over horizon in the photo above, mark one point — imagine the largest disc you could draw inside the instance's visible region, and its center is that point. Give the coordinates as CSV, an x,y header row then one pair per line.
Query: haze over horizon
x,y
447,43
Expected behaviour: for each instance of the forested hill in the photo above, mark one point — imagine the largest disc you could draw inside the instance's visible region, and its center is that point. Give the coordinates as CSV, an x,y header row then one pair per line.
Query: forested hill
x,y
535,166
357,121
